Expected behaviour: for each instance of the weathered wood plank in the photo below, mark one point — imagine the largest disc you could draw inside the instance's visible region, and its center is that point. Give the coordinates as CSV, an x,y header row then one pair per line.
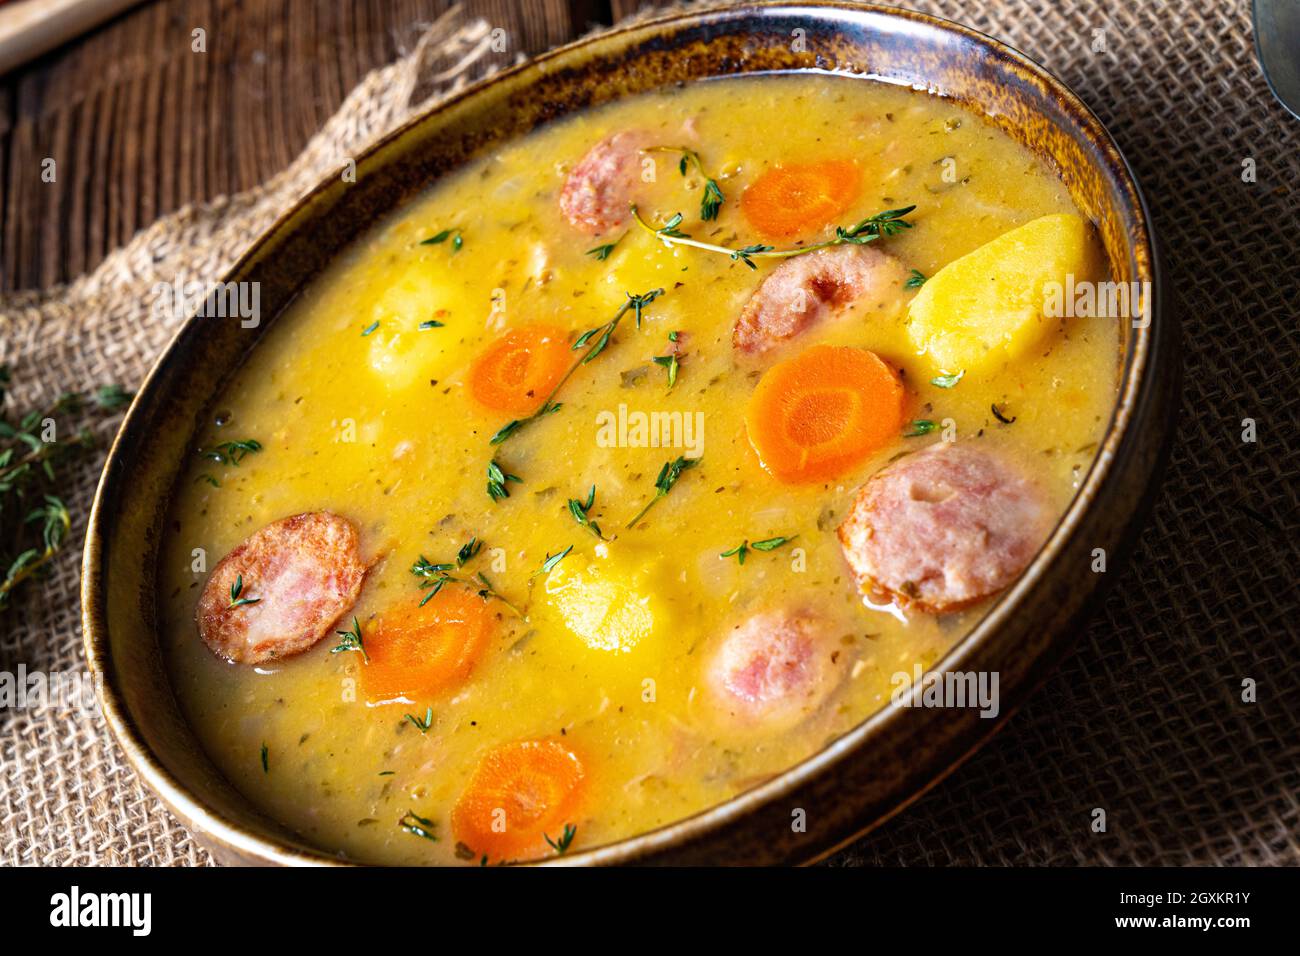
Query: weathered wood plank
x,y
139,124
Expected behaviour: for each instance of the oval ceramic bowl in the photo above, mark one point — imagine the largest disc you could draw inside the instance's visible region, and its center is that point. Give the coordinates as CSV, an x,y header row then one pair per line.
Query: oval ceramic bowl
x,y
888,759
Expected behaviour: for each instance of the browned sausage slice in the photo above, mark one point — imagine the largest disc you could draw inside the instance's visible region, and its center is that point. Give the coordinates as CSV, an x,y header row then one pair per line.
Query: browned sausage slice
x,y
944,528
301,574
772,670
597,191
807,289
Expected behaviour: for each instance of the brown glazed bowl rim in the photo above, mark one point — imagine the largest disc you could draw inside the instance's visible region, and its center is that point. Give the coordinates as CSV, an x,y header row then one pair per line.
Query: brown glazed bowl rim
x,y
211,826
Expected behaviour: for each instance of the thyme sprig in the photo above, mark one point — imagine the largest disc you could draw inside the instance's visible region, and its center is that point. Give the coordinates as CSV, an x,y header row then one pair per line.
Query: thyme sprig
x,y
741,551
602,334
497,481
602,252
425,724
713,198
561,845
416,825
352,641
236,594
435,576
672,361
581,511
551,561
230,453
882,224
668,475
34,521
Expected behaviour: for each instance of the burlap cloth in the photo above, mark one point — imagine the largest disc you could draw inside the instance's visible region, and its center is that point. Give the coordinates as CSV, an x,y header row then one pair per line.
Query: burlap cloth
x,y
1145,719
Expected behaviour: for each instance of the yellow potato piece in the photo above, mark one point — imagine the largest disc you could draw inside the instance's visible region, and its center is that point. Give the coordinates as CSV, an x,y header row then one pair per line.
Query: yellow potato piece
x,y
400,353
986,308
602,607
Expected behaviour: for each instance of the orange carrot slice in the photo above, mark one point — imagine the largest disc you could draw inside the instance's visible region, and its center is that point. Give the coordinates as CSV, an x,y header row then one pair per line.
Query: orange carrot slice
x,y
520,794
823,412
518,371
417,653
788,201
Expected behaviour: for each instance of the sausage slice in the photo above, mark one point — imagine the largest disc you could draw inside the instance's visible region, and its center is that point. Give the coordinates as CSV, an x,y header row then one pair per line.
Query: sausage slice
x,y
944,528
807,289
598,190
772,670
301,574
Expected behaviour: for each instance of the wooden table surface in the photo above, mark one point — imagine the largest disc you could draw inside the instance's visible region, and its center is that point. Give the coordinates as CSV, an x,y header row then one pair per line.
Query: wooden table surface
x,y
139,125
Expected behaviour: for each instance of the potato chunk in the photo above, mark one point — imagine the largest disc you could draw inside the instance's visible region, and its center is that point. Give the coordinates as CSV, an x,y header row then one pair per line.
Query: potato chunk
x,y
986,308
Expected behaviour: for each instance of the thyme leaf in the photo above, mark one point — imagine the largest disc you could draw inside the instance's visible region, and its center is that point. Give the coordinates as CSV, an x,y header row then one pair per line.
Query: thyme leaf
x,y
236,590
561,846
497,481
352,641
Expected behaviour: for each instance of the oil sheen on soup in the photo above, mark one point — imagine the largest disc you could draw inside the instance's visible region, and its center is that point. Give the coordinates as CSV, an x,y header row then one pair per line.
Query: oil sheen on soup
x,y
629,466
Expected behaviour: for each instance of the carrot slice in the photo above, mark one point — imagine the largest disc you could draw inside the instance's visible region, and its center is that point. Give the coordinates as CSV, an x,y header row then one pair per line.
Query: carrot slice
x,y
788,201
518,371
416,653
520,794
823,412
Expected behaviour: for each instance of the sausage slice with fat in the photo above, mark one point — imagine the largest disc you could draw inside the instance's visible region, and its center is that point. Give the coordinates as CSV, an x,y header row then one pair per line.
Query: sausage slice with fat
x,y
944,528
807,289
598,190
772,670
295,578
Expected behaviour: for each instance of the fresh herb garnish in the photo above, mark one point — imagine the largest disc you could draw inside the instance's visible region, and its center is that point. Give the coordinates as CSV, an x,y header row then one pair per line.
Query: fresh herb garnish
x,y
915,280
497,481
552,560
351,641
922,426
457,240
488,591
436,576
231,452
947,381
602,334
468,550
882,224
671,361
668,476
581,511
266,759
31,537
432,575
997,413
712,199
417,825
602,252
561,846
741,551
431,324
112,397
236,590
425,724
370,328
